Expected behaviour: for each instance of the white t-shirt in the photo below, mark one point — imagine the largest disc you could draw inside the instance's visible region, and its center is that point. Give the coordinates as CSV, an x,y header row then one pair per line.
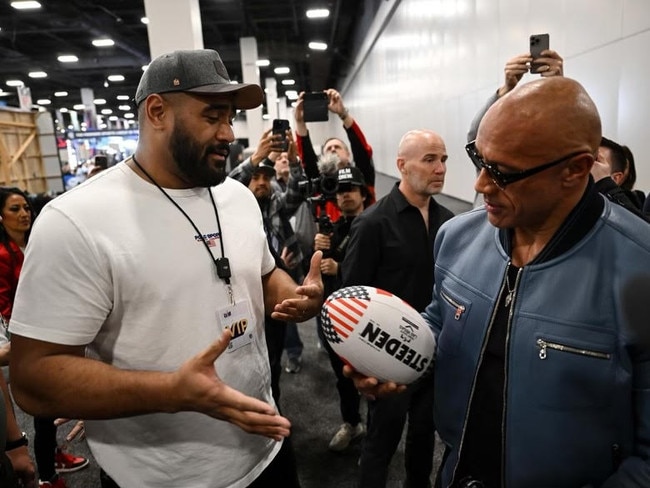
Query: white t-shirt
x,y
113,264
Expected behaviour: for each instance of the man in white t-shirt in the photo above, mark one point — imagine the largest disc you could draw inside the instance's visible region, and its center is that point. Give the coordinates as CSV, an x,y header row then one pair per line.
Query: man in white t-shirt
x,y
151,282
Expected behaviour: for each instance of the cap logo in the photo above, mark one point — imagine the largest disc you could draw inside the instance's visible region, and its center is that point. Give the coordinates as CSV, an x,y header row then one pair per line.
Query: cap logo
x,y
176,82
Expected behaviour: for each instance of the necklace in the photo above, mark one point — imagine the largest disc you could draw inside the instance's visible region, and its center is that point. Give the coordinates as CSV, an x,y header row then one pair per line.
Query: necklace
x,y
511,290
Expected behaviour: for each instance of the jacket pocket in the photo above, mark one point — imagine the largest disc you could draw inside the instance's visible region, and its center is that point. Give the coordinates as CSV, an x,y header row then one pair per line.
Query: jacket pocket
x,y
454,316
569,373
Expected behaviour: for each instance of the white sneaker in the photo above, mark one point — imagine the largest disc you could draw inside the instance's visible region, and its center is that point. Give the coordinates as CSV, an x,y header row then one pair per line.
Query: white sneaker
x,y
345,435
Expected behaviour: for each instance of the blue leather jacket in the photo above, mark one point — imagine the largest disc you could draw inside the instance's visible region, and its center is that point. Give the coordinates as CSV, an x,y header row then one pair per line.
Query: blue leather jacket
x,y
577,394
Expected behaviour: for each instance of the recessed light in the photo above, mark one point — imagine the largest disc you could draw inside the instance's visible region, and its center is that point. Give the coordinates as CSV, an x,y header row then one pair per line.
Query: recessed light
x,y
291,94
99,101
113,117
129,115
15,83
125,108
79,106
63,110
103,42
44,101
266,116
144,67
288,82
107,111
61,94
25,5
318,46
317,13
123,97
68,58
144,20
37,74
115,78
263,62
282,70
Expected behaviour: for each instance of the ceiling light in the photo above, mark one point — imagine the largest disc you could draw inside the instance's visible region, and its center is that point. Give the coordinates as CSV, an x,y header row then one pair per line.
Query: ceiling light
x,y
144,67
63,110
266,116
144,20
37,74
125,108
115,78
26,5
291,94
317,46
99,101
68,58
15,83
79,106
282,70
129,115
318,13
113,118
107,111
263,62
43,101
61,94
103,42
123,97
288,82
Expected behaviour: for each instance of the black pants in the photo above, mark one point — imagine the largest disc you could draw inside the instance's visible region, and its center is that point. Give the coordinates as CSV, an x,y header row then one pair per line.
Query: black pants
x,y
44,447
349,398
281,472
275,333
386,419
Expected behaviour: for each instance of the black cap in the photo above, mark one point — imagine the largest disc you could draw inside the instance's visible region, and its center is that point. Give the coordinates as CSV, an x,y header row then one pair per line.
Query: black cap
x,y
351,176
196,71
265,167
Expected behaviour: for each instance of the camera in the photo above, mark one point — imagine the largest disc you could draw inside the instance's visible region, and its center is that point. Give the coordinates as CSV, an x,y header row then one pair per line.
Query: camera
x,y
318,191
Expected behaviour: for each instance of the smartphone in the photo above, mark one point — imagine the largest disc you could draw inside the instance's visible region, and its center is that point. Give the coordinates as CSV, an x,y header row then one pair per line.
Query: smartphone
x,y
315,106
281,126
538,43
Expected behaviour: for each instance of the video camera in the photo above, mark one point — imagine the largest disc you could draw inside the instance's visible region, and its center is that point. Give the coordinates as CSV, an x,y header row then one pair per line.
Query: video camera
x,y
318,191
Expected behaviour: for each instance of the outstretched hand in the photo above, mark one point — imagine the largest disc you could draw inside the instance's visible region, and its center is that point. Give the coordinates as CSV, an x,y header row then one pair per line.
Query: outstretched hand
x,y
200,389
370,387
310,296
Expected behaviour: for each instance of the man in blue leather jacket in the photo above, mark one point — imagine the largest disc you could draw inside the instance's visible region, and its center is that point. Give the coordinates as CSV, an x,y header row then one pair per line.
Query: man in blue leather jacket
x,y
539,381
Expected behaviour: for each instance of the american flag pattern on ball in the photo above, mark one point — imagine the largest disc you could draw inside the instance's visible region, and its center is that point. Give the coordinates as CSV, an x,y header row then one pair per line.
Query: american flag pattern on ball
x,y
340,318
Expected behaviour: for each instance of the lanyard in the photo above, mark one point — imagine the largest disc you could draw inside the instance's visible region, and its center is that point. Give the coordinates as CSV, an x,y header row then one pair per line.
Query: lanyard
x,y
222,264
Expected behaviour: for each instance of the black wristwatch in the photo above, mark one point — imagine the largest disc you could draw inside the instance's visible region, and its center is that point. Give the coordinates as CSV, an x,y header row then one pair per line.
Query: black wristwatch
x,y
20,442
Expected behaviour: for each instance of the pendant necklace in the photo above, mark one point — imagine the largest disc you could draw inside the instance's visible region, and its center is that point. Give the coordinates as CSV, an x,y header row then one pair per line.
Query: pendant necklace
x,y
511,291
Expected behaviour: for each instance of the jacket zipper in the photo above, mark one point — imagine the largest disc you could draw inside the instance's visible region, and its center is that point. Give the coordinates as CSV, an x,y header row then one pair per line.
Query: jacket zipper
x,y
480,359
513,299
544,345
460,309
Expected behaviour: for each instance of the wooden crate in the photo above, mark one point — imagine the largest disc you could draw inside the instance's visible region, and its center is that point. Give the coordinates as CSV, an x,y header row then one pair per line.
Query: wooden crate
x,y
21,161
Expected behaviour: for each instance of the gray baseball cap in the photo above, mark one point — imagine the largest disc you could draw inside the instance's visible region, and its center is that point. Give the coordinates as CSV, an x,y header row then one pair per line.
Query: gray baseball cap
x,y
196,71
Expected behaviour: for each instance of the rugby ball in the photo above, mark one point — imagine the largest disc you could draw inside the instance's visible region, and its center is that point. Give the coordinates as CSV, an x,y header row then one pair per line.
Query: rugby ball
x,y
378,334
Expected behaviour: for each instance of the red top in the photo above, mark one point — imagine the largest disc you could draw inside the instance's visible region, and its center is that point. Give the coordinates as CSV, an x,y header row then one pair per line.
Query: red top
x,y
10,266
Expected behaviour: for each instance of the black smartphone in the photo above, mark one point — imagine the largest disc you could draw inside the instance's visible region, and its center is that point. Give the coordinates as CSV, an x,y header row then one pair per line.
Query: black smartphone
x,y
538,43
314,106
281,126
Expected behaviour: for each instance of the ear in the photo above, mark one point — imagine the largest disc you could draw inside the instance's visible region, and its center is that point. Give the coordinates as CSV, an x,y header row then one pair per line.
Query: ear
x,y
618,177
157,111
577,169
400,164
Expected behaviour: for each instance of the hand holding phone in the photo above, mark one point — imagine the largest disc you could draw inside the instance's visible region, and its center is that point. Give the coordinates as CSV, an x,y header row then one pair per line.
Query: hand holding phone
x,y
281,126
538,43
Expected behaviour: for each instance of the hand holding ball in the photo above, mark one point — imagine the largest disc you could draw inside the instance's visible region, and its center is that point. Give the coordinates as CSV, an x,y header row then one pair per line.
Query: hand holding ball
x,y
378,334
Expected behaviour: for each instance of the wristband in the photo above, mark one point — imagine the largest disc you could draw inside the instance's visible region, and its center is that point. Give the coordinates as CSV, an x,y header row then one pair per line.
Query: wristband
x,y
20,442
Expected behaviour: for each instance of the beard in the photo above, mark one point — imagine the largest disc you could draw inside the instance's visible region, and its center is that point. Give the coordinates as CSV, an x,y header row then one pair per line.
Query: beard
x,y
193,162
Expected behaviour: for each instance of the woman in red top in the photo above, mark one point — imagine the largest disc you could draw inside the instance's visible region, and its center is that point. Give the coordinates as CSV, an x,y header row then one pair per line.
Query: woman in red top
x,y
16,218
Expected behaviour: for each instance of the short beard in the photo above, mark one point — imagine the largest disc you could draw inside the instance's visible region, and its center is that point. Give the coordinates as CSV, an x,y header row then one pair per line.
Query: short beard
x,y
192,160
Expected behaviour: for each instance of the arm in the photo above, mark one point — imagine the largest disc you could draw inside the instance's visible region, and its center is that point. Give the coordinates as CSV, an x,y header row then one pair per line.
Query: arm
x,y
303,141
289,302
267,144
20,460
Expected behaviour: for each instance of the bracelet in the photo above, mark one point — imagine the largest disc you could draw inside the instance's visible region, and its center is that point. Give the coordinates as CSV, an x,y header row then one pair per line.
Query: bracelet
x,y
345,114
20,442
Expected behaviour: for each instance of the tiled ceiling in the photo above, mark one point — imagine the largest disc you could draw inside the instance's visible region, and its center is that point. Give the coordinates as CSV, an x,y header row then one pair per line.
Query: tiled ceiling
x,y
31,40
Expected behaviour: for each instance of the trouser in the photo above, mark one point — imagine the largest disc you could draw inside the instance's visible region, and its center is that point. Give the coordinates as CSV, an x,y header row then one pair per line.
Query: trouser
x,y
281,472
386,419
275,331
349,398
292,342
44,447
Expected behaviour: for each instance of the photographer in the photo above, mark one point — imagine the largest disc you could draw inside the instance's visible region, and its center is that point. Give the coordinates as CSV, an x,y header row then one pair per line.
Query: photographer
x,y
359,154
351,198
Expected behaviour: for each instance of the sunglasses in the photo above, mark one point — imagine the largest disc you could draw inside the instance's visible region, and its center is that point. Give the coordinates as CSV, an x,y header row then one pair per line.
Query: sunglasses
x,y
502,179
